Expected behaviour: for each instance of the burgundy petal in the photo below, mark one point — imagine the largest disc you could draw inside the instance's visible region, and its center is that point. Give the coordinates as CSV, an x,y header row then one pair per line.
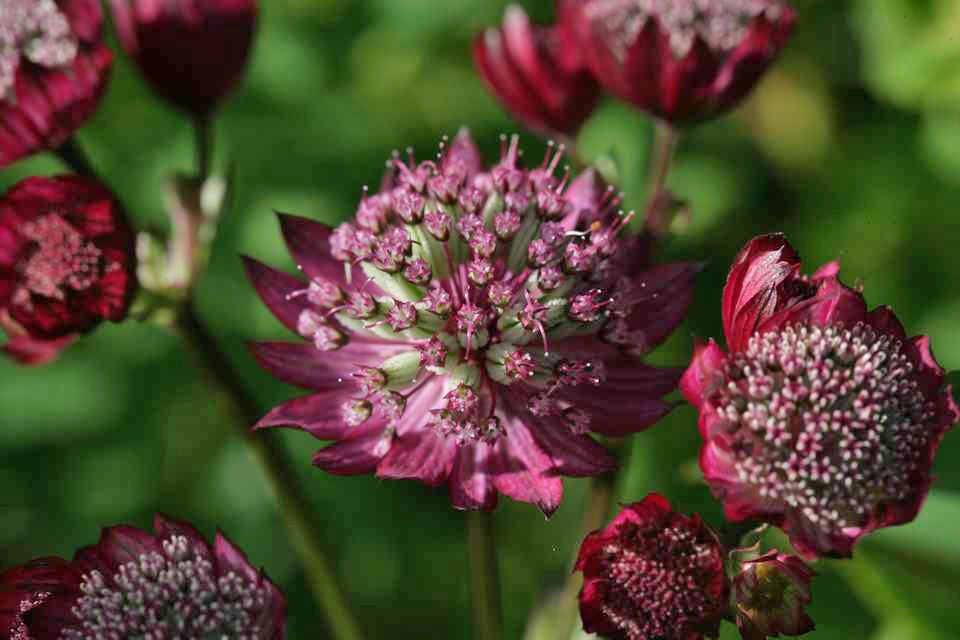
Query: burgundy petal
x,y
756,286
274,288
320,414
471,480
309,244
301,364
523,471
704,373
359,452
166,527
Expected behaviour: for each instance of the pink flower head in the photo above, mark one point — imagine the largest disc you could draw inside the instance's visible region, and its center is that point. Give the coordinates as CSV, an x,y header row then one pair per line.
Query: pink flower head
x,y
484,366
536,73
54,67
133,584
824,418
652,574
771,594
193,52
680,60
66,263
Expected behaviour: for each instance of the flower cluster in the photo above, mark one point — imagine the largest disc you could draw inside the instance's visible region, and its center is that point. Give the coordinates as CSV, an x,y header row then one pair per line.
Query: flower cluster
x,y
470,326
653,574
680,60
54,67
192,52
66,263
824,418
132,584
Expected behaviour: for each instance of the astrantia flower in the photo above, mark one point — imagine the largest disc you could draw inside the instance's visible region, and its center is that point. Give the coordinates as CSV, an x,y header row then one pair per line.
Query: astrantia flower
x,y
135,584
770,595
193,52
681,60
54,67
472,326
537,73
24,588
652,574
824,418
66,263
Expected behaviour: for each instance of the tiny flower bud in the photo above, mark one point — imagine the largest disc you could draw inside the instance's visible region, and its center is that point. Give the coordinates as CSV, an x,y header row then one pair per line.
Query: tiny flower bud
x,y
770,595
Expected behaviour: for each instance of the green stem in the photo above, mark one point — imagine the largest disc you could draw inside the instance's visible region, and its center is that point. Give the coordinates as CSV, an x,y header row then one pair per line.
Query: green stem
x,y
664,145
203,145
73,155
599,504
484,577
295,510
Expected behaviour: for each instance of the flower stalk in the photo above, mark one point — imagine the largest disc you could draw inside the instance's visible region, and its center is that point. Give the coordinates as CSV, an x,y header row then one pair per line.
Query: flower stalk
x,y
295,509
484,576
203,145
665,139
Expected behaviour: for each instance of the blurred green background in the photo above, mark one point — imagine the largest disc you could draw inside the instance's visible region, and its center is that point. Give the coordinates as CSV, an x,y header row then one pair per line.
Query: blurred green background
x,y
851,146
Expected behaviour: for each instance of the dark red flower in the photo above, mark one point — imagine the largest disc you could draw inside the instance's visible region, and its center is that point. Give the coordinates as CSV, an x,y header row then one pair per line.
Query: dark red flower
x,y
680,60
193,52
24,588
470,326
652,574
537,74
66,263
824,418
170,583
54,67
770,595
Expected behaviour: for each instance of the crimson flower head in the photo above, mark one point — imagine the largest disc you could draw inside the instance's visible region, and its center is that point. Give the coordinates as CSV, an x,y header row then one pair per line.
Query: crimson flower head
x,y
680,60
652,574
136,584
54,67
537,74
824,418
470,326
66,263
771,594
193,52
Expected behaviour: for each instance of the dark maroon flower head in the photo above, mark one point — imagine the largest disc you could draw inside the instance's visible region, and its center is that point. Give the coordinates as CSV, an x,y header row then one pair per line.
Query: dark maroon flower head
x,y
54,68
470,326
652,574
771,594
537,75
66,263
132,584
24,588
193,52
680,60
824,418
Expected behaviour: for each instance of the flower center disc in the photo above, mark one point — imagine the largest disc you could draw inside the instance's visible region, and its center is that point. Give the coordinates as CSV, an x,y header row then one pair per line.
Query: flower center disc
x,y
58,258
175,594
829,420
655,582
36,30
721,24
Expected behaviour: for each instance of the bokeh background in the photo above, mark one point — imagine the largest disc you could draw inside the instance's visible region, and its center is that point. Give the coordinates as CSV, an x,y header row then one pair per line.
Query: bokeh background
x,y
851,146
